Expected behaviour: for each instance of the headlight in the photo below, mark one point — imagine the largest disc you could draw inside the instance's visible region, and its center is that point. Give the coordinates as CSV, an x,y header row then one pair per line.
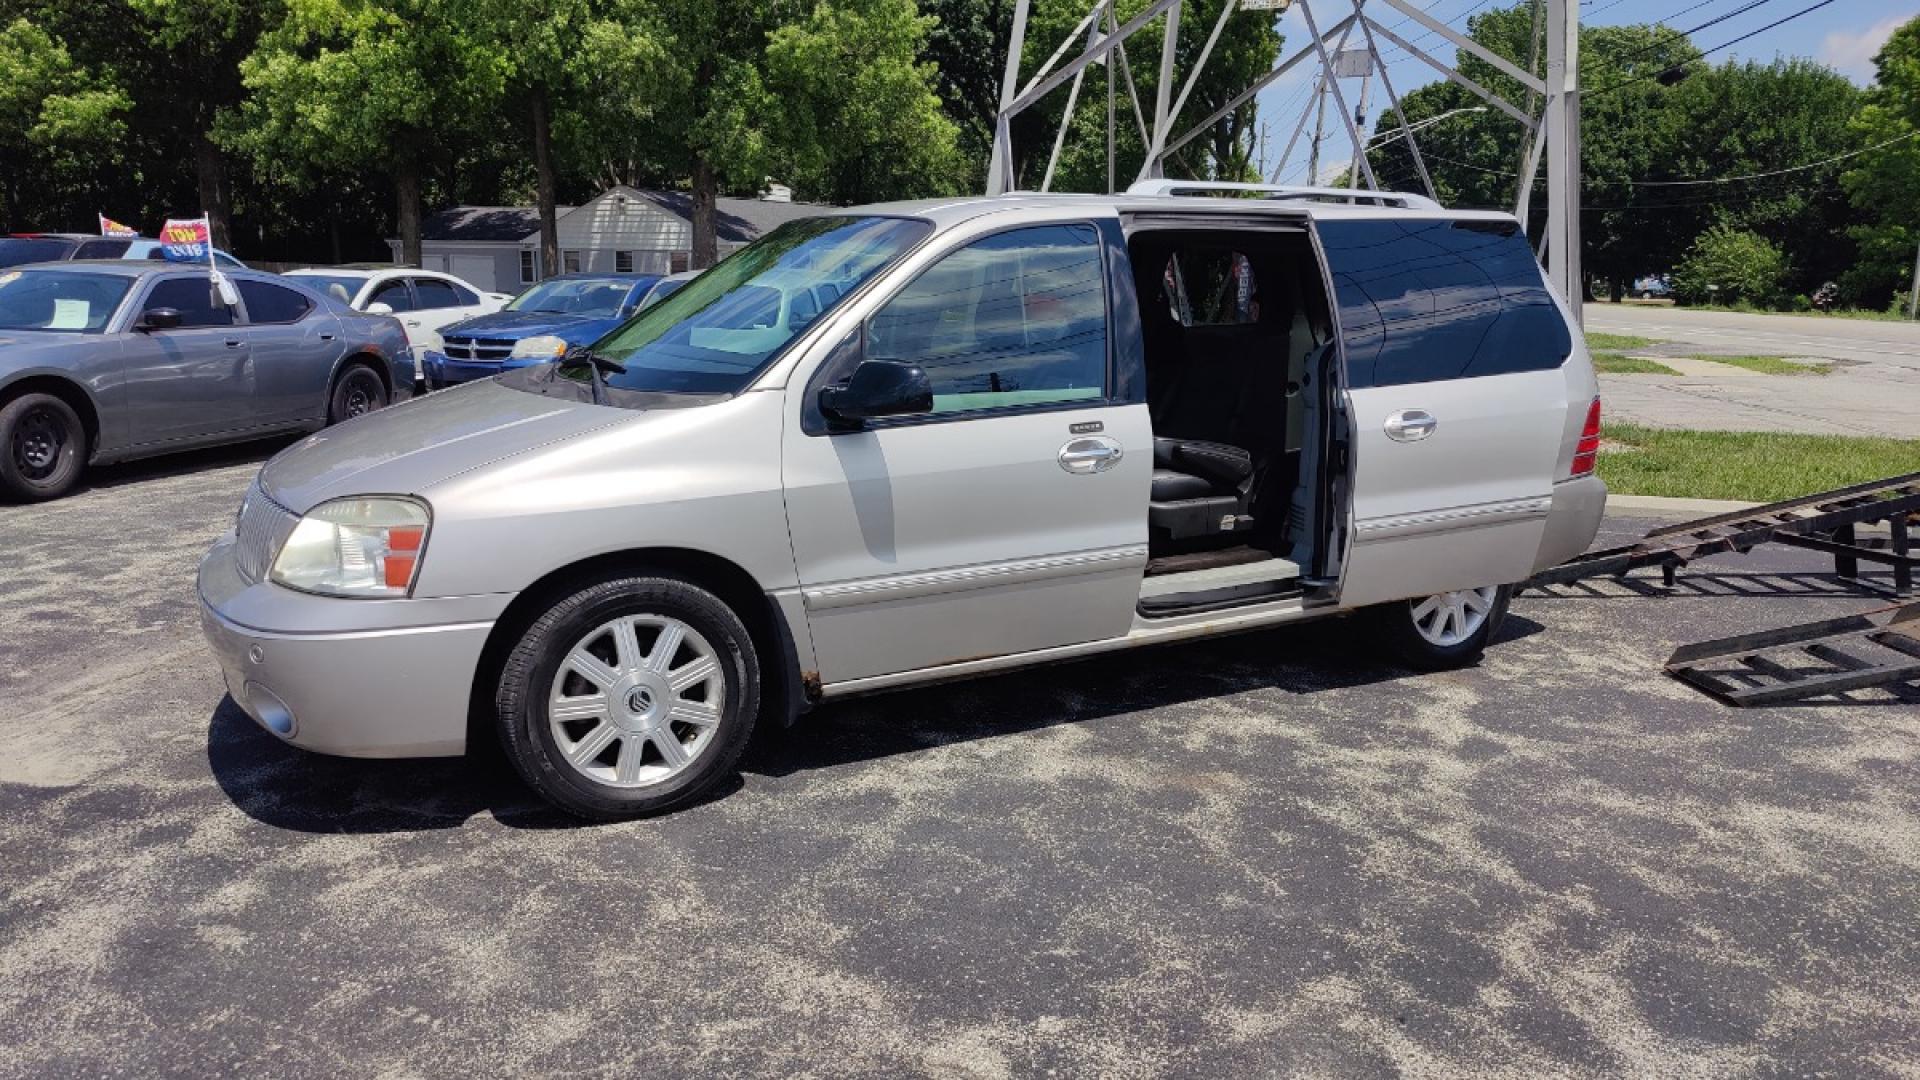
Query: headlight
x,y
541,346
355,547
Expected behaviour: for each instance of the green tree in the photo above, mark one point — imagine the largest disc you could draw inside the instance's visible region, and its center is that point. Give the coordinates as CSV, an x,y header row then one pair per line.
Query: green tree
x,y
60,123
1884,185
1727,265
341,86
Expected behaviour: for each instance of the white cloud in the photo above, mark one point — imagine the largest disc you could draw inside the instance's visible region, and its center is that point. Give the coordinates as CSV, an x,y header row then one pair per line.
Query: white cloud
x,y
1851,52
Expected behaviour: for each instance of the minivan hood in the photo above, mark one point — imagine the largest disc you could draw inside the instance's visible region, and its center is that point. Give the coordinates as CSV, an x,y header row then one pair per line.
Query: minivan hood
x,y
408,448
574,329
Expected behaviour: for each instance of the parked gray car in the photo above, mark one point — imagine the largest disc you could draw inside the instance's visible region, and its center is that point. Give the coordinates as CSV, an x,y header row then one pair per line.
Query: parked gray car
x,y
898,444
104,361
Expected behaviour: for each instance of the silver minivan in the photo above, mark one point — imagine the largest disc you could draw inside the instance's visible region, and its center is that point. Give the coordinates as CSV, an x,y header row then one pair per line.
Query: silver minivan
x,y
901,443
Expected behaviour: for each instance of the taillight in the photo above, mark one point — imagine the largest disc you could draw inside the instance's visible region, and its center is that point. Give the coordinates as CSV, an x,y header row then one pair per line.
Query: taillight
x,y
1588,447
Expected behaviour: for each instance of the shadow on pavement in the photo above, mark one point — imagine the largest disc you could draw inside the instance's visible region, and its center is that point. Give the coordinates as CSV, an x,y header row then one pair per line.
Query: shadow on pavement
x,y
192,461
293,789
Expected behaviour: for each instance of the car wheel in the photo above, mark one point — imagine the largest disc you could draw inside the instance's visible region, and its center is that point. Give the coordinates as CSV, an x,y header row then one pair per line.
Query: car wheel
x,y
630,697
1448,630
359,391
43,447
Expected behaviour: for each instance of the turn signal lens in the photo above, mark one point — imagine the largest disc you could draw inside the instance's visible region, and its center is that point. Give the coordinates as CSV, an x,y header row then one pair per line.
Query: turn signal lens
x,y
1588,449
355,547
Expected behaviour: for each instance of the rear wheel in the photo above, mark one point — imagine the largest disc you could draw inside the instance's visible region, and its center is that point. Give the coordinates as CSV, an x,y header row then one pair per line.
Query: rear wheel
x,y
1446,630
630,697
359,391
43,447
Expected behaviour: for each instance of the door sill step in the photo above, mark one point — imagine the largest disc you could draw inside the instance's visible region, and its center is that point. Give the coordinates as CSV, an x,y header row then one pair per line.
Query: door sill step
x,y
1162,587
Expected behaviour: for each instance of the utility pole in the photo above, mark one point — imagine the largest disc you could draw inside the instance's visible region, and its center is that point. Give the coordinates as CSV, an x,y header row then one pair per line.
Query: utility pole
x,y
1913,299
1563,151
1319,126
1359,124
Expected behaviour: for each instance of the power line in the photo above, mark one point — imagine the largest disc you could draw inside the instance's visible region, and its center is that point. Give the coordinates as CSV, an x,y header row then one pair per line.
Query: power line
x,y
1777,172
1708,52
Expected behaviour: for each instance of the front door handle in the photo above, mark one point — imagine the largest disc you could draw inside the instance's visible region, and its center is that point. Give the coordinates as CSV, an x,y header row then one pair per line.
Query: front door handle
x,y
1093,454
232,344
1410,425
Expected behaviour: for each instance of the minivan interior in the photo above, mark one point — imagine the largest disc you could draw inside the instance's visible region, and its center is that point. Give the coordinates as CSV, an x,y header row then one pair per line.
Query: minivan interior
x,y
1238,335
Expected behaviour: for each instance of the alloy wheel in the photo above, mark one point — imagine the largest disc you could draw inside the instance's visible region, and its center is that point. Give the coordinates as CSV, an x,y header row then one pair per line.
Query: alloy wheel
x,y
637,700
1450,618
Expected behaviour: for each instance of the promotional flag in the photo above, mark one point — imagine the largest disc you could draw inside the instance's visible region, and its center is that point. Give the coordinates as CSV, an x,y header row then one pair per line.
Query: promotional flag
x,y
110,227
186,240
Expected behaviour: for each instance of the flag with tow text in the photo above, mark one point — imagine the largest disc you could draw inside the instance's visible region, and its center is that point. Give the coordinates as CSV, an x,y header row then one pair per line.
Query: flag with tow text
x,y
186,240
110,227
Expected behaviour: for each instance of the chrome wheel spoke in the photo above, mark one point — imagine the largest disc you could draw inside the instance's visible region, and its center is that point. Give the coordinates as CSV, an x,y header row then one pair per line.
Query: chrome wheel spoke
x,y
671,750
626,646
693,674
567,710
590,668
665,647
698,713
626,770
590,746
1449,618
1425,608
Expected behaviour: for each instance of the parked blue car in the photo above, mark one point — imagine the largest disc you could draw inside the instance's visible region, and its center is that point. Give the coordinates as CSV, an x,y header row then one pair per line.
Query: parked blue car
x,y
538,326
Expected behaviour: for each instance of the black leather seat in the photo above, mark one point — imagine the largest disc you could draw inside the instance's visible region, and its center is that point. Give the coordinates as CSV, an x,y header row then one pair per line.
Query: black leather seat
x,y
1200,488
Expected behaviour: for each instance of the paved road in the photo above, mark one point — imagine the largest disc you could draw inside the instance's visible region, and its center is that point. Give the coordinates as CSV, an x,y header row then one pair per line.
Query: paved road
x,y
1268,855
1874,389
1894,343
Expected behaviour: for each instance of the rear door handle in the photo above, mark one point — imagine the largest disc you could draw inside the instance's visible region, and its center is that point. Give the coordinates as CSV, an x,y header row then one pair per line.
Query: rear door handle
x,y
1092,454
1410,425
233,344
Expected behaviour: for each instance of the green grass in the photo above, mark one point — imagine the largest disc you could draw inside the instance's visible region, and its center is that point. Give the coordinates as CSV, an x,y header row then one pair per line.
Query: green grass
x,y
1767,365
1755,466
1613,363
1599,342
1838,313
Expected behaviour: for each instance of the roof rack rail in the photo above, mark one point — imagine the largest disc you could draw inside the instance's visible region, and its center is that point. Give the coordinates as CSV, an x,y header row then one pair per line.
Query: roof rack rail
x,y
1405,200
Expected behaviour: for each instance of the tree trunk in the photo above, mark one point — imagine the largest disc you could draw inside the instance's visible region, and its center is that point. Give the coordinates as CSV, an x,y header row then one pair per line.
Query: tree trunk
x,y
543,181
406,204
1615,289
210,170
333,235
706,189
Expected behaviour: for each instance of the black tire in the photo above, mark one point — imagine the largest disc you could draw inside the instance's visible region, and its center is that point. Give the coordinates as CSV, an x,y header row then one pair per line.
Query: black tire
x,y
1394,626
43,447
527,681
356,392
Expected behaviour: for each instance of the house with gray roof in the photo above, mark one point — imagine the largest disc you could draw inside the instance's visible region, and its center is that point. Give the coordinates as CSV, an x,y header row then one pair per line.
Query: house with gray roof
x,y
622,229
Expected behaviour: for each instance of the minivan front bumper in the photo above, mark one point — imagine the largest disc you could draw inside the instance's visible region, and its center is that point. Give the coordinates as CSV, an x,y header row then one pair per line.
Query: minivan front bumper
x,y
372,690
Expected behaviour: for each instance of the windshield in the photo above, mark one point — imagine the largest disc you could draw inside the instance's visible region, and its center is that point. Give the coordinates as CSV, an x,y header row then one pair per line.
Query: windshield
x,y
15,250
715,334
594,297
342,287
59,300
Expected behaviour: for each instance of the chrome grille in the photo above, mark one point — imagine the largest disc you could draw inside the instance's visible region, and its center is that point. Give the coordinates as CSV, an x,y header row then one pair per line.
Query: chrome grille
x,y
485,350
264,526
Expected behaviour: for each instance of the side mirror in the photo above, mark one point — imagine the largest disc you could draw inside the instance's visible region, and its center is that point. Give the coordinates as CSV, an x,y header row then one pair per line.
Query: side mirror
x,y
877,388
158,318
379,308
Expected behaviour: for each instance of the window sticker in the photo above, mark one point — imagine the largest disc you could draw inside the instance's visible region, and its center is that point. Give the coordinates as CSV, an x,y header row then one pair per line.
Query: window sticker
x,y
69,315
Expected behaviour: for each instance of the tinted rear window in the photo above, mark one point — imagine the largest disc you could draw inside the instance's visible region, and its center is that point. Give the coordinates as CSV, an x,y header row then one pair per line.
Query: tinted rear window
x,y
1426,300
270,303
15,250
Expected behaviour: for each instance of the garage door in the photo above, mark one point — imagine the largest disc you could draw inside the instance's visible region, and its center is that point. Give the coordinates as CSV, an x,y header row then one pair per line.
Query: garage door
x,y
478,270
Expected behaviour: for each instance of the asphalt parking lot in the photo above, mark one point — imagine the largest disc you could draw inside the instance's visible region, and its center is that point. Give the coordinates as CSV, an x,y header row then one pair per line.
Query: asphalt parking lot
x,y
1260,856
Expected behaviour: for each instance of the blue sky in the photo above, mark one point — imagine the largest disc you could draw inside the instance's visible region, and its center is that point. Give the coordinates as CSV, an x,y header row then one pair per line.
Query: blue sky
x,y
1844,35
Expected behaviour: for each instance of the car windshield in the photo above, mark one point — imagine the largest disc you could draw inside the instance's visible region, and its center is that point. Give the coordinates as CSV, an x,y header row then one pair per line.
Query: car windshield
x,y
596,297
59,300
15,250
342,287
715,334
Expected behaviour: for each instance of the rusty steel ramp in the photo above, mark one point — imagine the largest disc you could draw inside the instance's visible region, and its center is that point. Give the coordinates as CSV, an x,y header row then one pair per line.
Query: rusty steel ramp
x,y
1875,649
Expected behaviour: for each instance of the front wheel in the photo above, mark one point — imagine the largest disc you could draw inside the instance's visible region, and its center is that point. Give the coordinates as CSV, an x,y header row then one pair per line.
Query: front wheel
x,y
1446,630
43,447
358,392
630,697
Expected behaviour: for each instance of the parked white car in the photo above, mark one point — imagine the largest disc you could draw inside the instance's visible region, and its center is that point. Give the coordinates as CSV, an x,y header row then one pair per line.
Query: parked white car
x,y
1013,430
423,300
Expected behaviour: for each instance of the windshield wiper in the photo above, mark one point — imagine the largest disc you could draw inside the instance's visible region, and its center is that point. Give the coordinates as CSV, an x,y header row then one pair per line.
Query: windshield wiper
x,y
598,368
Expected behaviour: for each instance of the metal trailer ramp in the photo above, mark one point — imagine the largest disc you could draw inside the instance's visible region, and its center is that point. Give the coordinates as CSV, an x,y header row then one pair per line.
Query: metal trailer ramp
x,y
1875,649
1827,522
